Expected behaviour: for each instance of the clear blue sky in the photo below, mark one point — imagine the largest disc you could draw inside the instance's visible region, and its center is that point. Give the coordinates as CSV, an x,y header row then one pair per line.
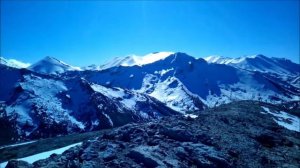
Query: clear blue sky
x,y
93,32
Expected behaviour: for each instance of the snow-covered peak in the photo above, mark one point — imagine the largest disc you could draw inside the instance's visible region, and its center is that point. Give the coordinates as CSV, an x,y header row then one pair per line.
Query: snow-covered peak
x,y
13,63
258,62
147,59
133,60
212,58
226,60
52,60
51,65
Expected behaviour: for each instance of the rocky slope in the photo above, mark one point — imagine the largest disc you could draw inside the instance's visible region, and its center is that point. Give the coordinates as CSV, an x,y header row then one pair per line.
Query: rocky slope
x,y
34,105
240,134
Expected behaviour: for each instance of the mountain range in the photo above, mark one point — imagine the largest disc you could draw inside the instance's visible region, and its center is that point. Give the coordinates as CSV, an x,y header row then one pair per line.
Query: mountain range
x,y
51,98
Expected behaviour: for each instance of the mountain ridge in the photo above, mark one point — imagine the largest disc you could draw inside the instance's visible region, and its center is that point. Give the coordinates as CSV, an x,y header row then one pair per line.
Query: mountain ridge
x,y
132,60
52,98
258,63
51,65
13,63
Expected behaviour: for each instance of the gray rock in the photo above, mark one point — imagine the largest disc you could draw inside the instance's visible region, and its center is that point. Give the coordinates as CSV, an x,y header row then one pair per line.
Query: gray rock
x,y
143,155
234,135
18,164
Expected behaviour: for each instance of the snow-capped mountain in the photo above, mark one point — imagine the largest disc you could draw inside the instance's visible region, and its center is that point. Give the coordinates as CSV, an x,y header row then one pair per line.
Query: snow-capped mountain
x,y
280,71
36,103
225,60
133,60
50,65
179,79
13,63
259,63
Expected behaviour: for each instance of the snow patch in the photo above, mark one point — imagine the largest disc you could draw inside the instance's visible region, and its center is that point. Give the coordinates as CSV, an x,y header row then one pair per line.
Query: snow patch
x,y
176,97
74,121
284,119
31,159
164,71
110,92
17,144
191,115
128,98
95,123
129,103
109,119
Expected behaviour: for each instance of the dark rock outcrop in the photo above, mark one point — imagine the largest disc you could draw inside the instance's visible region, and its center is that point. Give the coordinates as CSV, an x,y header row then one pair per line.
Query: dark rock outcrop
x,y
233,135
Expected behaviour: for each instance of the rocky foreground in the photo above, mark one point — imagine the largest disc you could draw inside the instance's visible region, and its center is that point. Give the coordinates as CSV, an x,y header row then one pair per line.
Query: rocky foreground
x,y
233,135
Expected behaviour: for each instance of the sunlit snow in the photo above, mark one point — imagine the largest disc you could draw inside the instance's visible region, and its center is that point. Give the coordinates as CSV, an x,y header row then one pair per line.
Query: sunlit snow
x,y
14,63
110,92
133,60
115,93
177,97
147,59
50,65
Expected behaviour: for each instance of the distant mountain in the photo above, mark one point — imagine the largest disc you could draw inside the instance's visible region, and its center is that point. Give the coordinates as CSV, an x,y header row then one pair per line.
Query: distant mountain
x,y
13,63
280,71
50,65
133,60
259,63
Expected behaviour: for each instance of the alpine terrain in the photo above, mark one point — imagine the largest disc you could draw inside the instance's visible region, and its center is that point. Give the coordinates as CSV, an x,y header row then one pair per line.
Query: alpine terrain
x,y
164,109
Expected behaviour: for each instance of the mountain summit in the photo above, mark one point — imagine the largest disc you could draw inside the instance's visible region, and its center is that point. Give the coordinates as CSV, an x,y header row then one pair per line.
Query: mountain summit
x,y
13,63
259,63
51,65
133,60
